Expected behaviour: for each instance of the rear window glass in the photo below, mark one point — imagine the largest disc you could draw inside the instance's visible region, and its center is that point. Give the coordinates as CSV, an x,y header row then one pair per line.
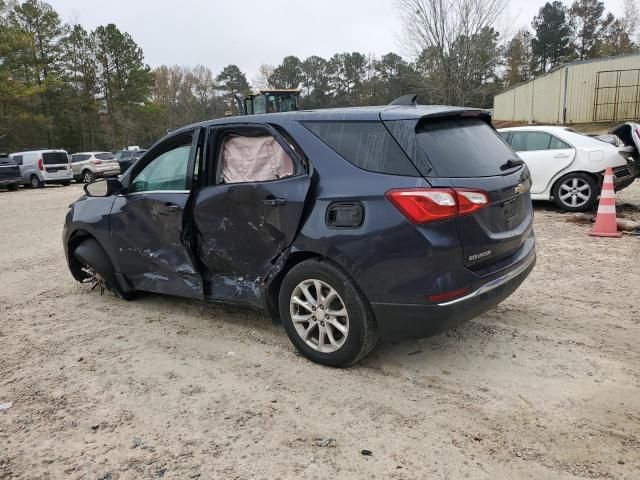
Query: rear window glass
x,y
54,158
79,157
105,156
367,145
462,147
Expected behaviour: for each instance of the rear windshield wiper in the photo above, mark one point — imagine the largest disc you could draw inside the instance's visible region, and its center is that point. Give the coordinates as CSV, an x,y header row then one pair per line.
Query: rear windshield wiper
x,y
512,162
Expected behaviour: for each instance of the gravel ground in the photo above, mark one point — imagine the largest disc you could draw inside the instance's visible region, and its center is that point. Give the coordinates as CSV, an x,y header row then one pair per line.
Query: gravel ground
x,y
546,385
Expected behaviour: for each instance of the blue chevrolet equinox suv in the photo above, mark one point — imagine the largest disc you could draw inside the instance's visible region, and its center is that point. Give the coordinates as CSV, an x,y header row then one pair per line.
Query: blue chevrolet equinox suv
x,y
346,225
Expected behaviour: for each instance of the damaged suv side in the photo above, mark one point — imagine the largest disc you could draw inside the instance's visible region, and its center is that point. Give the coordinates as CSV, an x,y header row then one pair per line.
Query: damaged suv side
x,y
336,222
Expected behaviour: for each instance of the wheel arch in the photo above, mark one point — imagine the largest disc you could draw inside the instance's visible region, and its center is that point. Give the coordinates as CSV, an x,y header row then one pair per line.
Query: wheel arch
x,y
75,239
272,287
272,290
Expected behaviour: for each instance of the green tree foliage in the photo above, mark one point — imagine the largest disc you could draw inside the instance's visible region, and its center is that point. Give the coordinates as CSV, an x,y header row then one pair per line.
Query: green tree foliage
x,y
82,76
615,38
551,45
518,58
586,20
288,74
37,63
124,81
315,81
232,81
65,87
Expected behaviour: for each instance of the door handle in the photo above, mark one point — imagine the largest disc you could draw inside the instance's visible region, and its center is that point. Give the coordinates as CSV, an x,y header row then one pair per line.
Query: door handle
x,y
274,202
172,207
561,155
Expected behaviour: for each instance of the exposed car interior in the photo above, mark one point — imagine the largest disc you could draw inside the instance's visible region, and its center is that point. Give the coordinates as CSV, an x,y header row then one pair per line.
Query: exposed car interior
x,y
625,133
245,158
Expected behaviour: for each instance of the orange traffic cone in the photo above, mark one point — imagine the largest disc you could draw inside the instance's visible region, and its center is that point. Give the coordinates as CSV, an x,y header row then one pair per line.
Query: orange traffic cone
x,y
606,225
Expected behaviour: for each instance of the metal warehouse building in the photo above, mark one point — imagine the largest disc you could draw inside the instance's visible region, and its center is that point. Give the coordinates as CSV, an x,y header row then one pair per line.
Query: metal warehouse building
x,y
599,90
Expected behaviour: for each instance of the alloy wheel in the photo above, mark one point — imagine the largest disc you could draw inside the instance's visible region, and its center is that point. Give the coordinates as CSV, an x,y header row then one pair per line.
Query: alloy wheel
x,y
319,315
88,177
575,192
35,183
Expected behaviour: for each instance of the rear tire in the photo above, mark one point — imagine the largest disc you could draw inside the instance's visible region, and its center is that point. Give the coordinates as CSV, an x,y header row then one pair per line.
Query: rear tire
x,y
66,184
575,192
92,256
88,176
13,187
35,182
335,327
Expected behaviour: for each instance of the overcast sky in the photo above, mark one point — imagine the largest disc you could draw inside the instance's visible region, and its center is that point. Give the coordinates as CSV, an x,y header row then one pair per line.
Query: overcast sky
x,y
249,33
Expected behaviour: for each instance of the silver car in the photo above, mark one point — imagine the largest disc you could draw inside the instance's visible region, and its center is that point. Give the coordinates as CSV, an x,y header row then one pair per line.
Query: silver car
x,y
40,167
87,166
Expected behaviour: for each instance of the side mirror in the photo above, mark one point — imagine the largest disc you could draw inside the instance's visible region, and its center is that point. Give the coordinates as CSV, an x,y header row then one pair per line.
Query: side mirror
x,y
103,188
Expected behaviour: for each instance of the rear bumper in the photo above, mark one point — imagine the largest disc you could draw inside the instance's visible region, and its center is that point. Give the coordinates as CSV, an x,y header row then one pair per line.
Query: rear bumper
x,y
58,178
401,321
10,181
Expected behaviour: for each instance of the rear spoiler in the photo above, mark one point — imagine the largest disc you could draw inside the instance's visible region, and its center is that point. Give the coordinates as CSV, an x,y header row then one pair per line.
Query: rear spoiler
x,y
406,100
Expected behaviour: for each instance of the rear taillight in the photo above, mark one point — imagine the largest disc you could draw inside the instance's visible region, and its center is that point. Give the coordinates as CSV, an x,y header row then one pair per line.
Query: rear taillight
x,y
96,162
423,205
40,165
470,201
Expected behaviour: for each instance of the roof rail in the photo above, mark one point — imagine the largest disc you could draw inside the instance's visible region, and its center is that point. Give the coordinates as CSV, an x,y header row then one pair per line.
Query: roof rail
x,y
408,100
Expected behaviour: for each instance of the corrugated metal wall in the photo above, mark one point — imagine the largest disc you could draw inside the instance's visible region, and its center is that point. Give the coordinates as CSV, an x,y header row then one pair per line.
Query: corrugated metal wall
x,y
542,100
581,85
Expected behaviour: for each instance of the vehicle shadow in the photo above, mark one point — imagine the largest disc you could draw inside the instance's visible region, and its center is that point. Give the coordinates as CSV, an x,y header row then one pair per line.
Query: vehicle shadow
x,y
446,348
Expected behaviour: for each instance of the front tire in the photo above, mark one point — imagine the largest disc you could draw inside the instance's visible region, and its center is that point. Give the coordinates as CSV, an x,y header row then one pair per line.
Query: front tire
x,y
325,315
575,192
95,261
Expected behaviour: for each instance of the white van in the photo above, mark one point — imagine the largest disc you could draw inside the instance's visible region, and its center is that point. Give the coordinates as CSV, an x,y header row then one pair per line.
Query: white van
x,y
39,167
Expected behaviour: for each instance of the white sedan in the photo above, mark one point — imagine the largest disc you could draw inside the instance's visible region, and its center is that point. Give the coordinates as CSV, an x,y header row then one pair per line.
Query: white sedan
x,y
567,167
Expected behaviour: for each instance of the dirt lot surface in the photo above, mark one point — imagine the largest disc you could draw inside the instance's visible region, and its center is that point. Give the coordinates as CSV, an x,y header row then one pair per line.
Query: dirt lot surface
x,y
544,386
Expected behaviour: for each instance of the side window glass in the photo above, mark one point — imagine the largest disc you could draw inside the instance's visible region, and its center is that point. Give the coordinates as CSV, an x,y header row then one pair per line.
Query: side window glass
x,y
367,145
168,171
557,144
530,141
253,159
18,159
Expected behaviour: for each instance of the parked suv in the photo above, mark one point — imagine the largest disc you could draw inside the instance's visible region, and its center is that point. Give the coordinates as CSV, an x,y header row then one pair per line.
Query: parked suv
x,y
9,172
346,224
87,166
126,158
39,167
